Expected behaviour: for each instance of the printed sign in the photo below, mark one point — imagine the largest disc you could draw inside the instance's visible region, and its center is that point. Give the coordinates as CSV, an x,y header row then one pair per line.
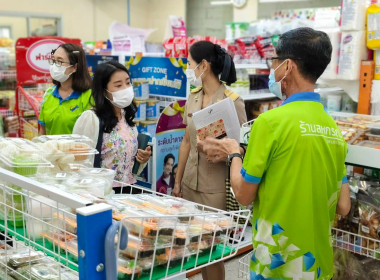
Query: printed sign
x,y
165,76
169,134
94,60
32,58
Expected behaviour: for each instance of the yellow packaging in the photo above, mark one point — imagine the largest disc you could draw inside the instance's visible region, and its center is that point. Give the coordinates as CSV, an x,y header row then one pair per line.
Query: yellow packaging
x,y
373,27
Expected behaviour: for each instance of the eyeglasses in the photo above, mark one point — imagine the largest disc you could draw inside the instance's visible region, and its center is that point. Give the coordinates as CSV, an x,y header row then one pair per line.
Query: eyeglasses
x,y
56,62
269,60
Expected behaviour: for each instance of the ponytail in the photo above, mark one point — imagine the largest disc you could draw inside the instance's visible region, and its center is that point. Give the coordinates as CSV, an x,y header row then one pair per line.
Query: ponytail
x,y
220,61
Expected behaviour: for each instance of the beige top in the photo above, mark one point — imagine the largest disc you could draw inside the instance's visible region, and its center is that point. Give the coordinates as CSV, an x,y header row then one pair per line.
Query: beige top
x,y
201,175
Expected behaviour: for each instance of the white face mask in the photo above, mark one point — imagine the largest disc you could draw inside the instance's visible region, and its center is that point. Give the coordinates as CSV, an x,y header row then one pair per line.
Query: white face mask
x,y
192,78
122,98
58,73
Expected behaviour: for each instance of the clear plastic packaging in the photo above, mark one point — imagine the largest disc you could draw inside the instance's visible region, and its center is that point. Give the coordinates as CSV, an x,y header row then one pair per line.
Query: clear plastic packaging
x,y
127,269
15,205
373,137
65,222
141,247
370,144
22,156
104,173
95,186
24,257
374,128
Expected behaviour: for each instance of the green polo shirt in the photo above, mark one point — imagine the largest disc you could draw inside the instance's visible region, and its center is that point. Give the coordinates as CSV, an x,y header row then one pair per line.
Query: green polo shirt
x,y
296,154
59,115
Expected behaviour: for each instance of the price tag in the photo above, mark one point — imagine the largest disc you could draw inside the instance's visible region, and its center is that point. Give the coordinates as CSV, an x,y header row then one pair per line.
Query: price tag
x,y
365,229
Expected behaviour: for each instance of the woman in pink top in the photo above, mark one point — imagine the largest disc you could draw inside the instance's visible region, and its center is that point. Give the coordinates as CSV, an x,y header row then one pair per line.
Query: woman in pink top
x,y
113,114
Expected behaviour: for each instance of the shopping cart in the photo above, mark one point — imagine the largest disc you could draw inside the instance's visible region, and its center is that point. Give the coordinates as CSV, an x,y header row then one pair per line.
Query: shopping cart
x,y
52,232
28,106
244,266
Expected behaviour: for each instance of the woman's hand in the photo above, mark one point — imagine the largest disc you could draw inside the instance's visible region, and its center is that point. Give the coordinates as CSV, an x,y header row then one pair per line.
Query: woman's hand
x,y
143,155
217,150
177,192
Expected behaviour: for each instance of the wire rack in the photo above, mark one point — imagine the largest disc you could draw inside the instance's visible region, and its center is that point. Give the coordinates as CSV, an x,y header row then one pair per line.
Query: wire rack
x,y
28,128
167,235
29,99
37,238
244,266
356,243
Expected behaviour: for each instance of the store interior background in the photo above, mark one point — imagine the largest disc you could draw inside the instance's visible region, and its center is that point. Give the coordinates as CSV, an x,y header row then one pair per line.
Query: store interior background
x,y
89,20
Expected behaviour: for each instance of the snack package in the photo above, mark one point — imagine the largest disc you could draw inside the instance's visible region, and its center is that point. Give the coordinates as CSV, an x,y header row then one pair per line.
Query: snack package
x,y
369,224
214,130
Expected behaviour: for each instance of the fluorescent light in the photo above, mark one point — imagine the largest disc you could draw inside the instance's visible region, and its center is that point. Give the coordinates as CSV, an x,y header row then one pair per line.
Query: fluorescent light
x,y
277,1
221,3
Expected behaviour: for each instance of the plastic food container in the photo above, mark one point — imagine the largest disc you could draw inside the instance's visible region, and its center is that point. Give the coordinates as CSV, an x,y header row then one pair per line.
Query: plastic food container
x,y
373,137
128,269
370,144
15,205
65,222
78,145
107,174
374,128
141,247
93,185
23,257
22,156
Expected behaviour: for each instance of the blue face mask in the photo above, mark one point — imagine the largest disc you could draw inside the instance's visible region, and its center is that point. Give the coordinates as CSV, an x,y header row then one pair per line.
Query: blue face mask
x,y
275,87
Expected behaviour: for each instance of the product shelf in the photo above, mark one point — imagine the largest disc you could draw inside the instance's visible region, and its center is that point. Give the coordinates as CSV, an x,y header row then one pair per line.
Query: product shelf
x,y
258,95
251,66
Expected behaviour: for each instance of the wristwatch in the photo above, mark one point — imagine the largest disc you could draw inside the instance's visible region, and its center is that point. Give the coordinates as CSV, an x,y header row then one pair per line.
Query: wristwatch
x,y
231,156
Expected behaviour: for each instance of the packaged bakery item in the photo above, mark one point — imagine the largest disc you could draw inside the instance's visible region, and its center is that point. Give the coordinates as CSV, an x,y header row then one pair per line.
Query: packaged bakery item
x,y
186,233
104,173
369,225
65,222
15,205
24,257
373,137
22,156
128,269
174,255
63,242
93,185
149,224
63,150
370,144
140,247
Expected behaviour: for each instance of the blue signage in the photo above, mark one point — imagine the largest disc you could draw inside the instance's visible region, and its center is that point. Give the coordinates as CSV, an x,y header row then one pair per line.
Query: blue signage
x,y
94,60
165,76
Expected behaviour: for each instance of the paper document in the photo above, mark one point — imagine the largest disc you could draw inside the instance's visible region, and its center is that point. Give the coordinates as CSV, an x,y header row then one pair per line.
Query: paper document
x,y
223,110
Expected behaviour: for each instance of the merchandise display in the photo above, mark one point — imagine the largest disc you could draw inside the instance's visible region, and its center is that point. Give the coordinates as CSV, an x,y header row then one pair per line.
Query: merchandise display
x,y
40,211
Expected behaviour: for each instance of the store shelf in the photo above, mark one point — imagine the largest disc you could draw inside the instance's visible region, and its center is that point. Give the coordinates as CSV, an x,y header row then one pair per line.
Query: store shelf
x,y
363,156
258,94
251,66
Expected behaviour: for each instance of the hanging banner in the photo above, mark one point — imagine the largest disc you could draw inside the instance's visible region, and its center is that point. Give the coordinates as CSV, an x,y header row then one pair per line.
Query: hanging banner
x,y
32,56
94,60
169,134
165,76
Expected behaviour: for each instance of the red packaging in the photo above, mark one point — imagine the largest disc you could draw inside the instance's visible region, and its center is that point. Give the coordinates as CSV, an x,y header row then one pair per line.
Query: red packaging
x,y
248,48
265,46
180,47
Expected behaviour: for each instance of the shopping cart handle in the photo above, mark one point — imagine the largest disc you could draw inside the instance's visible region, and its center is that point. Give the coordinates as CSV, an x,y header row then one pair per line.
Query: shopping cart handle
x,y
110,248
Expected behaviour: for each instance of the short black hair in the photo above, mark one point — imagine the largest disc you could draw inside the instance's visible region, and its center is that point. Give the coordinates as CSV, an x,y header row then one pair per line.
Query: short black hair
x,y
217,57
311,50
81,78
167,158
103,107
174,167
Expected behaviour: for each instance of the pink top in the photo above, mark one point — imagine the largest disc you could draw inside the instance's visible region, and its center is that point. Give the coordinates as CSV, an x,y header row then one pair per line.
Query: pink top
x,y
119,149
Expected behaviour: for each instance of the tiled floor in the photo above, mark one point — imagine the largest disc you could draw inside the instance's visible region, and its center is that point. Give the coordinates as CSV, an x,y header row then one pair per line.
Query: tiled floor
x,y
231,267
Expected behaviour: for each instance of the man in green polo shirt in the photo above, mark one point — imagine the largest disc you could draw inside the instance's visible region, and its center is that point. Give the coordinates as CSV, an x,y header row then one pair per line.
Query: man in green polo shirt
x,y
293,169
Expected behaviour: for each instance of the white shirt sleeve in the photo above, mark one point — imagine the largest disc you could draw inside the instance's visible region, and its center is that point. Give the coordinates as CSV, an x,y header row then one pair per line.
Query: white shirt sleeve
x,y
88,125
